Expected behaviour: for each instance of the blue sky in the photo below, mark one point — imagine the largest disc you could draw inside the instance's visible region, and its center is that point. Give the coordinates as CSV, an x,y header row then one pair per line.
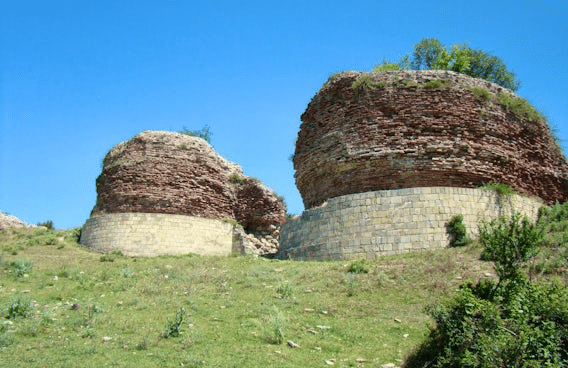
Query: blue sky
x,y
77,77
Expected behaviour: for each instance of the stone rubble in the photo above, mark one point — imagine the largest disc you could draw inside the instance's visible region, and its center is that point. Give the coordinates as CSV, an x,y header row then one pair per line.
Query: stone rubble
x,y
7,221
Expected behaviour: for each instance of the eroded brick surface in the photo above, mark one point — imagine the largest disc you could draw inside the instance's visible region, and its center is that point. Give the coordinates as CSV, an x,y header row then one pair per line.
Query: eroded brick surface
x,y
172,173
401,132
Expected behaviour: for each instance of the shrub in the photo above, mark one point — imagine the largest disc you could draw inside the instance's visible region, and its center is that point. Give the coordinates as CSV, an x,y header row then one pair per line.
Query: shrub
x,y
173,327
203,133
528,329
358,266
457,231
514,323
48,224
237,180
509,244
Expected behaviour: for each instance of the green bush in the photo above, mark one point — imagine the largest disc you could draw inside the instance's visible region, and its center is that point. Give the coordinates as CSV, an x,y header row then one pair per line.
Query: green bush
x,y
236,179
528,328
509,244
17,307
203,133
274,333
6,338
499,188
173,327
20,267
457,231
514,323
358,266
48,224
106,258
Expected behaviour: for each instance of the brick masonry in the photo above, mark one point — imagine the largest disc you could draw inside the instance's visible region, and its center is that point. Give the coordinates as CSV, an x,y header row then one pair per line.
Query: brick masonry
x,y
153,234
392,221
406,129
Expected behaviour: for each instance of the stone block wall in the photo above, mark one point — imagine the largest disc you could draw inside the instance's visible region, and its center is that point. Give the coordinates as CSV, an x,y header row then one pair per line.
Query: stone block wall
x,y
392,221
153,234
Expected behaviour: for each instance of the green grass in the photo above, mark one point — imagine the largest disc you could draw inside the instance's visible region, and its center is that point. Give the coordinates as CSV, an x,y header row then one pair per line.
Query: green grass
x,y
74,310
500,188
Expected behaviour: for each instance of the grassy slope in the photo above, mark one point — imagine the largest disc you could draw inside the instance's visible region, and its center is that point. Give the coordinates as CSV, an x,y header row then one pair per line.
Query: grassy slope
x,y
234,307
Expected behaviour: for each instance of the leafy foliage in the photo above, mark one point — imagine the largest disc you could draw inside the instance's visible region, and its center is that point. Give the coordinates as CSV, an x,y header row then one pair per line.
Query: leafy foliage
x,y
20,267
236,179
173,327
430,53
204,133
514,323
500,188
48,224
17,307
509,244
358,266
457,231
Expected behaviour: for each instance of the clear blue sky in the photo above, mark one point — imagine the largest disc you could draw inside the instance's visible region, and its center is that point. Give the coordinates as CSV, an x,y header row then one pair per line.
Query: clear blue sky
x,y
77,77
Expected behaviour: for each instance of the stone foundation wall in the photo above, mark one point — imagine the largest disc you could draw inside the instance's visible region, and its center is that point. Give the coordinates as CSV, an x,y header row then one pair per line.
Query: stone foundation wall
x,y
152,234
392,221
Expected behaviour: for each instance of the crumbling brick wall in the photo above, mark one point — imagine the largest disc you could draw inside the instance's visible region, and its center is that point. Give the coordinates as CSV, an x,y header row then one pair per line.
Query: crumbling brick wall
x,y
404,129
172,173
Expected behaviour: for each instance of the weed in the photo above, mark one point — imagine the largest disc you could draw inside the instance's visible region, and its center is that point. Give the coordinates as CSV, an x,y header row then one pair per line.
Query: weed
x,y
519,106
386,66
230,221
366,82
6,338
236,179
352,284
285,290
29,328
20,268
481,93
125,272
358,266
500,188
89,332
106,258
277,324
173,327
183,147
143,344
17,307
437,83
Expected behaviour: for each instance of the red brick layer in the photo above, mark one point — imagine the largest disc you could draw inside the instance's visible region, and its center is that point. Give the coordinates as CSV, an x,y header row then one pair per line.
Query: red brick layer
x,y
165,172
402,132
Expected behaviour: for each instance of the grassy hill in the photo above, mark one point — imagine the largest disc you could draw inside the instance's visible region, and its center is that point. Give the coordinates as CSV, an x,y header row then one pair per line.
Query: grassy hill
x,y
62,305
